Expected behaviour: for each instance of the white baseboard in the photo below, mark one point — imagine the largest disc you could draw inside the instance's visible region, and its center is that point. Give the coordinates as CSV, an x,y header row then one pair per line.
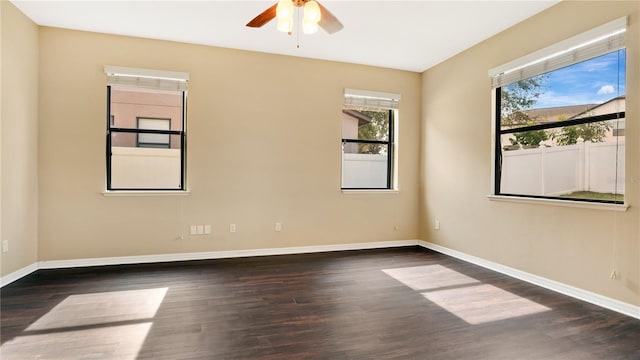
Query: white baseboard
x,y
57,264
16,275
593,298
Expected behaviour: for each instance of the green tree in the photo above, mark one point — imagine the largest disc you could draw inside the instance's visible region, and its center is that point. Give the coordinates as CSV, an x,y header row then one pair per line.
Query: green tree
x,y
376,129
529,138
593,132
518,97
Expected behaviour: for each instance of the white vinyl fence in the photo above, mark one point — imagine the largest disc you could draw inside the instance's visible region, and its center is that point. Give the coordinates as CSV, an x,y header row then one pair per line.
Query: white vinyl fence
x,y
541,171
144,168
160,168
595,167
364,170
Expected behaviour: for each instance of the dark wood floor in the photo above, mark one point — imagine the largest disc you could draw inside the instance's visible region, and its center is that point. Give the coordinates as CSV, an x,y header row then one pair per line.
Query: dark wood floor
x,y
406,303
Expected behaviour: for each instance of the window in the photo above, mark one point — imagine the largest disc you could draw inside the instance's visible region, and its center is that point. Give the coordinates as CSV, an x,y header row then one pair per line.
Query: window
x,y
368,144
145,129
559,120
154,140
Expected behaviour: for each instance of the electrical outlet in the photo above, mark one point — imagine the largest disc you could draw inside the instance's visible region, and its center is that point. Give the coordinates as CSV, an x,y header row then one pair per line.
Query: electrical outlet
x,y
207,229
278,226
200,229
437,225
193,230
5,245
232,228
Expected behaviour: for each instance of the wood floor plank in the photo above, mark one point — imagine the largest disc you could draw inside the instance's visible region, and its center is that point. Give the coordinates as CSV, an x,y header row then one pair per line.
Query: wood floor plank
x,y
404,303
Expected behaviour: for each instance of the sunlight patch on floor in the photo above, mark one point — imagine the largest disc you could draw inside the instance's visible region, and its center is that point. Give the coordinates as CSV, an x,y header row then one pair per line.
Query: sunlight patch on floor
x,y
463,296
90,326
102,308
109,342
483,303
429,277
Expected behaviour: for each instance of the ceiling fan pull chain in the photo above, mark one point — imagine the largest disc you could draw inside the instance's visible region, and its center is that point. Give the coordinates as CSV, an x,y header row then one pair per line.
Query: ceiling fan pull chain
x,y
298,28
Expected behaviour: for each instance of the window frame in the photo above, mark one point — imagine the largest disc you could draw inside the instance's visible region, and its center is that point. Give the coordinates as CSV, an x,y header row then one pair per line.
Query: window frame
x,y
182,133
390,143
590,44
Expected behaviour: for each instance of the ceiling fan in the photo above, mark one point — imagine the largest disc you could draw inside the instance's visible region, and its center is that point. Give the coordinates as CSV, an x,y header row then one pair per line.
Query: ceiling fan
x,y
314,15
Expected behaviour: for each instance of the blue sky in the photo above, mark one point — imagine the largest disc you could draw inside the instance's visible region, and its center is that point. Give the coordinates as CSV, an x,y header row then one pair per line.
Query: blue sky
x,y
590,82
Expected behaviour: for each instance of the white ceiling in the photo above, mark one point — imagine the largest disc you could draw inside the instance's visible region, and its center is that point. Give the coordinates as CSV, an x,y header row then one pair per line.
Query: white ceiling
x,y
407,35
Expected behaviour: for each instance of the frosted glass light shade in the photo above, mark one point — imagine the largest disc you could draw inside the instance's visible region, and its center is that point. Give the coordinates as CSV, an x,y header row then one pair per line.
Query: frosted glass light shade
x,y
284,13
312,11
285,25
309,27
284,10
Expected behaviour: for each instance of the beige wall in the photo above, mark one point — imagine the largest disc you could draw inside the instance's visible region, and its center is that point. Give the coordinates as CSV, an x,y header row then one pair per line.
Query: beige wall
x,y
264,146
19,195
575,246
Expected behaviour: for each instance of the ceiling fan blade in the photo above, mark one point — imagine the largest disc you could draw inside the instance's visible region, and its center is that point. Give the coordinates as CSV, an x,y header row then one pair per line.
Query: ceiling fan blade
x,y
264,17
328,22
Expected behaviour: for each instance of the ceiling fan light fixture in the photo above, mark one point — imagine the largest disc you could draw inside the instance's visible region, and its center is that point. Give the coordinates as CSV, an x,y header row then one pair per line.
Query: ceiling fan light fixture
x,y
314,16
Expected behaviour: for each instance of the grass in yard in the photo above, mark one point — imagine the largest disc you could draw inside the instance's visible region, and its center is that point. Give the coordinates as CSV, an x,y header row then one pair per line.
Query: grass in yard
x,y
594,196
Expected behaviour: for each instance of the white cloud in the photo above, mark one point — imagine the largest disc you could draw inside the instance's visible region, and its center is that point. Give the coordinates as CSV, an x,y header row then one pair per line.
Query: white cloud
x,y
606,89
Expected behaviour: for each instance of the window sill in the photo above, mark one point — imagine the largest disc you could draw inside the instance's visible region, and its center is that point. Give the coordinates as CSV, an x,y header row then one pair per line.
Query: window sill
x,y
145,193
370,191
563,203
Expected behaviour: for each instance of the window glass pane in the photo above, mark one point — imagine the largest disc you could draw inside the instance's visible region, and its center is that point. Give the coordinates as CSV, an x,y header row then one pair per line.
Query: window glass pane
x,y
128,105
144,167
543,155
364,165
121,139
154,140
578,170
365,124
589,88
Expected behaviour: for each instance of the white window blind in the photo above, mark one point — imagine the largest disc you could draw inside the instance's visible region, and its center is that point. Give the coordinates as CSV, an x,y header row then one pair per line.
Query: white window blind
x,y
593,43
371,99
146,78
